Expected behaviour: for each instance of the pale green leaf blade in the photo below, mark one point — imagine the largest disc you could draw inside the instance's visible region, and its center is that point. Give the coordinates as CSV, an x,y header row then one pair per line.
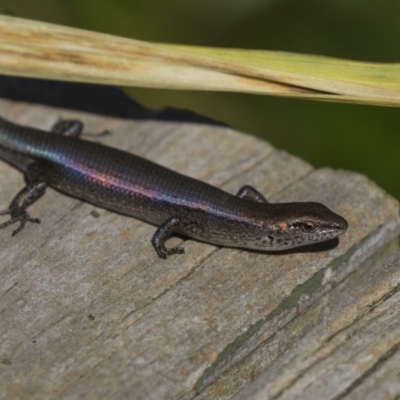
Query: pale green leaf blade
x,y
42,50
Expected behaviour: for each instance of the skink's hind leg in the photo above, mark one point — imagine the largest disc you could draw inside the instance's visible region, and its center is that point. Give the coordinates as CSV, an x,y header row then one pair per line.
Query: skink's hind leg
x,y
247,192
74,128
162,234
17,209
68,127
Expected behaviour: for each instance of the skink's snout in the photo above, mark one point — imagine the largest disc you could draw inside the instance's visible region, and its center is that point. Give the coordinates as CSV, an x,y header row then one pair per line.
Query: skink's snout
x,y
344,225
341,224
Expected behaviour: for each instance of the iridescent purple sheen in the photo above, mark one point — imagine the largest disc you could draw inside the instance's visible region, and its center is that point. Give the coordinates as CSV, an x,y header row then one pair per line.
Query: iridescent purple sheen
x,y
134,186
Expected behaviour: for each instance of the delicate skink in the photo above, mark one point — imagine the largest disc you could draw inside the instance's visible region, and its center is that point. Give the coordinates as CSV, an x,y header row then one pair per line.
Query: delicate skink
x,y
128,184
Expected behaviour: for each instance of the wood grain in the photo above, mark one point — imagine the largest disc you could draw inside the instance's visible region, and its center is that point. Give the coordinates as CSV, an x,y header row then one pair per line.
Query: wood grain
x,y
347,346
89,311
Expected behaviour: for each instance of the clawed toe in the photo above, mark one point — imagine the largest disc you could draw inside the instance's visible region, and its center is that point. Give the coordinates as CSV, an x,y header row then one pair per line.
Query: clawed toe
x,y
22,219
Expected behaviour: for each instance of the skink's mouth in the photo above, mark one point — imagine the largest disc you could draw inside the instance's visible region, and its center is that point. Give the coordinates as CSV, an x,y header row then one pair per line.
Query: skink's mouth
x,y
341,227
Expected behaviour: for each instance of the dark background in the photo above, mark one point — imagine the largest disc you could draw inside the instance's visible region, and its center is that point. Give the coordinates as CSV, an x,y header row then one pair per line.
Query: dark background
x,y
355,137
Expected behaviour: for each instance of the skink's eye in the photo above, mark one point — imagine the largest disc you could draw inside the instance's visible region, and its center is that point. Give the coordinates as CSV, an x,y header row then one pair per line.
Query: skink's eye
x,y
309,227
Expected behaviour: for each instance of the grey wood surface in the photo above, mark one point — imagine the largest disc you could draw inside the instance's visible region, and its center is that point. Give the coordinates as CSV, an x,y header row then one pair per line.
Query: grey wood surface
x,y
346,346
89,311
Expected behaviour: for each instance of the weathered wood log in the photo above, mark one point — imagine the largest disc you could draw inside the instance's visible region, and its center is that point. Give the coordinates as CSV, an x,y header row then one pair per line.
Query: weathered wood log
x,y
88,310
347,346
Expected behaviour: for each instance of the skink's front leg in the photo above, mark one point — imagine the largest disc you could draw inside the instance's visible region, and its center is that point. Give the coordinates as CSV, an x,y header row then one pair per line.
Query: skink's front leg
x,y
162,234
247,192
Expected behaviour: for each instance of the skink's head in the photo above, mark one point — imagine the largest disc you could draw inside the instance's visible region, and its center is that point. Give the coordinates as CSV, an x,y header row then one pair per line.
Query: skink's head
x,y
297,224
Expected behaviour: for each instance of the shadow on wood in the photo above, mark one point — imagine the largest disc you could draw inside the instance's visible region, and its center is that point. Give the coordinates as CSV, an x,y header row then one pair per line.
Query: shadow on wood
x,y
88,310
